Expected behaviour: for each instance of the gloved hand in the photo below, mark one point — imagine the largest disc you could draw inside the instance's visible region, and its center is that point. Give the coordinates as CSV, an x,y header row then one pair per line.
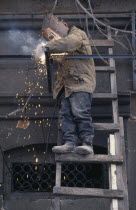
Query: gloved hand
x,y
39,53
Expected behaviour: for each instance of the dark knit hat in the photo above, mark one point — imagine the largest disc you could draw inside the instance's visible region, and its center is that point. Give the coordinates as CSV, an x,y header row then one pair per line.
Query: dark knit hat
x,y
51,21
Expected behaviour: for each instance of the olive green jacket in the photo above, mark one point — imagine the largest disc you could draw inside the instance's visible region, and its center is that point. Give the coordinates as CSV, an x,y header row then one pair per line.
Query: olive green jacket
x,y
75,75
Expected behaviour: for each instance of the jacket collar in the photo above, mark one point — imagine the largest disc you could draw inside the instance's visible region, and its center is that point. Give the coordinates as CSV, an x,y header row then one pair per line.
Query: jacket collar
x,y
72,29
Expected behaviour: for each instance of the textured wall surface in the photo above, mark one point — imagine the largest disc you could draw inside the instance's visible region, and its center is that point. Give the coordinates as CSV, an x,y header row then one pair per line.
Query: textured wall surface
x,y
16,73
66,6
131,162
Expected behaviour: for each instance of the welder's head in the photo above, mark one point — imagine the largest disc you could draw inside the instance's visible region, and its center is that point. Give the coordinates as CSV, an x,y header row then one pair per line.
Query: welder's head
x,y
53,27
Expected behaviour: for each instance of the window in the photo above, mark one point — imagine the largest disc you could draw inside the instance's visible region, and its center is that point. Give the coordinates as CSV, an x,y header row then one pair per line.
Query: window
x,y
31,177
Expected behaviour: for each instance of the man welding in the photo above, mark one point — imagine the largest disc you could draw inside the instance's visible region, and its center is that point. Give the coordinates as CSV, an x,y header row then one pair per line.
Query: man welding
x,y
76,81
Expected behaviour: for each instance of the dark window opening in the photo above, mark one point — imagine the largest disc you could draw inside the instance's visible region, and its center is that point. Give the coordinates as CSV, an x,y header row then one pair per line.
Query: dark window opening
x,y
85,175
31,177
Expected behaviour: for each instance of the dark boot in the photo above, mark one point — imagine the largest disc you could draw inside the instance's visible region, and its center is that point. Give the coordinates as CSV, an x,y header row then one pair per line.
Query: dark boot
x,y
84,150
66,148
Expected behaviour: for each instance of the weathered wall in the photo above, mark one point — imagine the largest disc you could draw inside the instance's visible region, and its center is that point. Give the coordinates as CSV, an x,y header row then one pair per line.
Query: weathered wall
x,y
42,204
12,81
131,162
67,6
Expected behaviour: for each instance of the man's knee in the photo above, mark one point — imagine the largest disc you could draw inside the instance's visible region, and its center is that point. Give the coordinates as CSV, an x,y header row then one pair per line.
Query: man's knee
x,y
65,108
77,113
80,105
80,114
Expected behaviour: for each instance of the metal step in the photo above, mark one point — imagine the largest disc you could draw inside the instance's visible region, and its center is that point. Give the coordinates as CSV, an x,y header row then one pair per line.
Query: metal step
x,y
73,157
88,192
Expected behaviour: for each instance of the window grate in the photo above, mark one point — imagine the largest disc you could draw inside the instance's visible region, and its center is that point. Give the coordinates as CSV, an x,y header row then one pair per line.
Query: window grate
x,y
85,175
33,177
30,177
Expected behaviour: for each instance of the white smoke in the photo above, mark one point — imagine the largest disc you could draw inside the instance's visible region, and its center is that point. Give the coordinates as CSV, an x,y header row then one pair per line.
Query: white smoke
x,y
25,41
39,54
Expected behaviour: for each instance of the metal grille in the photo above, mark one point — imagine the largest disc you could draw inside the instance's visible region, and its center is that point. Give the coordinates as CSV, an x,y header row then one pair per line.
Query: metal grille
x,y
85,175
31,177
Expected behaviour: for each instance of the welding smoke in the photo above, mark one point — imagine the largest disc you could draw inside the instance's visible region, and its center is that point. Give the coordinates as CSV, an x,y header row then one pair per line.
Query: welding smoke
x,y
25,42
39,54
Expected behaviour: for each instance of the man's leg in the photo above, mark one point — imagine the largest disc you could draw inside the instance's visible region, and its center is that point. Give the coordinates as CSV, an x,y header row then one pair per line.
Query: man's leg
x,y
67,128
81,109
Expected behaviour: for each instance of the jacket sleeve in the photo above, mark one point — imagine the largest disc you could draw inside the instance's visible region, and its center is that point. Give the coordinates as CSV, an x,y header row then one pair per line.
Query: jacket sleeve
x,y
70,43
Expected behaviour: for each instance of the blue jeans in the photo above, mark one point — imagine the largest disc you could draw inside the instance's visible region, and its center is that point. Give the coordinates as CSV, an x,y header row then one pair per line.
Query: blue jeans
x,y
75,120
